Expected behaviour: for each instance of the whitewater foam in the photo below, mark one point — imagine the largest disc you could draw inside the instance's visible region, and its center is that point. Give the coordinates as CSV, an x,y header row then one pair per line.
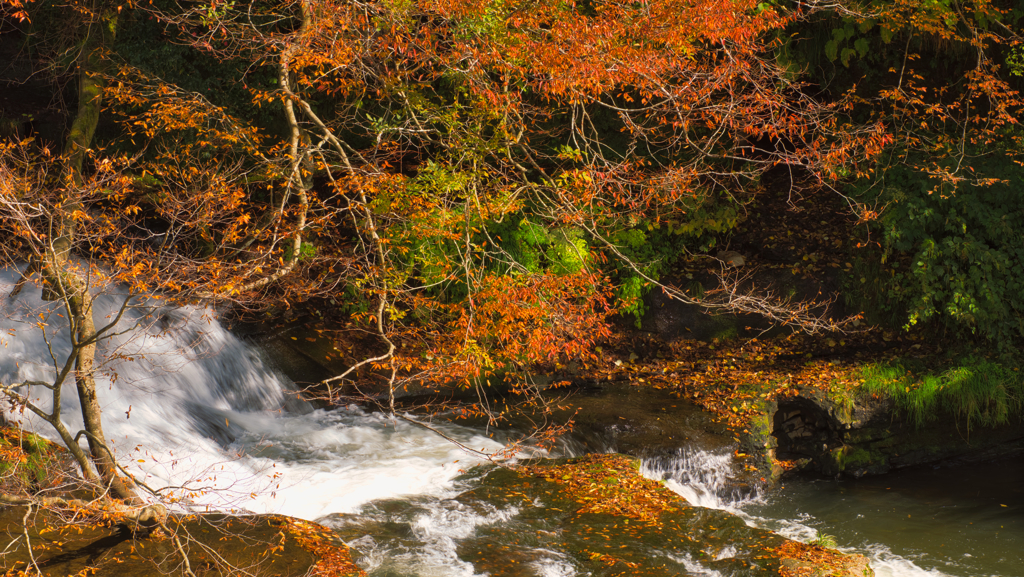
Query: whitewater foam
x,y
190,408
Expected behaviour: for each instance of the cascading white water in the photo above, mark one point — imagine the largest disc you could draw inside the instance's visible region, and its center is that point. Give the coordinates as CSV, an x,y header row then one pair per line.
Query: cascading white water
x,y
700,477
703,479
185,403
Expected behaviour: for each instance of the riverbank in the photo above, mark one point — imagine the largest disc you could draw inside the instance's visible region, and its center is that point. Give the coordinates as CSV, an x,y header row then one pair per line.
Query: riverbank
x,y
864,403
88,537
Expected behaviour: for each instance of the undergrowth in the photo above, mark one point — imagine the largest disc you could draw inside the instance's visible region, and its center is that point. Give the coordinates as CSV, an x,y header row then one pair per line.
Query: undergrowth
x,y
980,391
826,541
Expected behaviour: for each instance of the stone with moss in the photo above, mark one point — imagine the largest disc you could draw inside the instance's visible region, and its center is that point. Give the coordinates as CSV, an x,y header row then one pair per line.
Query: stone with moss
x,y
600,515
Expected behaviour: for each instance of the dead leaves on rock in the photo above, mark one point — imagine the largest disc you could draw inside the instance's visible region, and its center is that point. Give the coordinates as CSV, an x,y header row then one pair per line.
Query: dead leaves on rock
x,y
603,483
736,378
333,557
803,560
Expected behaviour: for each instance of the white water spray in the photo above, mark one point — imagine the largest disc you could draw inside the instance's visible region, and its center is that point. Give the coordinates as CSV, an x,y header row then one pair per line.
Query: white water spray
x,y
700,477
186,404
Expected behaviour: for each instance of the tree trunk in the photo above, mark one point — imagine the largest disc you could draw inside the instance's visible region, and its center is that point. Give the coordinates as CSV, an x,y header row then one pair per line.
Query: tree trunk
x,y
59,273
80,309
101,33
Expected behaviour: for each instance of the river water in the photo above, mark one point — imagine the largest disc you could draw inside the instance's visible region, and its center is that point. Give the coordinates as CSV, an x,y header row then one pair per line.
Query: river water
x,y
965,521
187,404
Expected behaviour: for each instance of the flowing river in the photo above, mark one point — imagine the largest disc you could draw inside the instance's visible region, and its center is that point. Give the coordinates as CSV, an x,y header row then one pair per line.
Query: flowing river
x,y
191,405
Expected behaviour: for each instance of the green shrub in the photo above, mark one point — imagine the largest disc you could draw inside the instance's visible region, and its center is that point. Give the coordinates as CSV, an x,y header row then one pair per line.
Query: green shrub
x,y
953,255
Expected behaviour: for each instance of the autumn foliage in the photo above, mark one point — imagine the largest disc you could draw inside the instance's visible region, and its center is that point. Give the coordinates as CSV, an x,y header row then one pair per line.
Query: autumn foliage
x,y
481,185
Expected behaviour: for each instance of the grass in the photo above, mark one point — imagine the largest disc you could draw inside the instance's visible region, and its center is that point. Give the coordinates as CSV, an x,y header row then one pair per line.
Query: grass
x,y
826,541
977,390
841,396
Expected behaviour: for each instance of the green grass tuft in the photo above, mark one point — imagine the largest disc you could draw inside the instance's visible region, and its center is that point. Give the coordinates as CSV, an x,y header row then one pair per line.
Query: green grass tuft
x,y
826,541
979,391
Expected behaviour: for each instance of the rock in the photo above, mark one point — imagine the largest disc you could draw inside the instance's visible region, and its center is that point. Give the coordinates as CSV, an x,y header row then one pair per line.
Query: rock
x,y
217,545
864,436
603,518
847,565
731,258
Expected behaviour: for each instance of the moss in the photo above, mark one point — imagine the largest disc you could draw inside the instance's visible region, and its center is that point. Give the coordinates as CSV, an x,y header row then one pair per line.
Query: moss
x,y
761,429
761,440
726,333
862,458
842,400
851,458
29,462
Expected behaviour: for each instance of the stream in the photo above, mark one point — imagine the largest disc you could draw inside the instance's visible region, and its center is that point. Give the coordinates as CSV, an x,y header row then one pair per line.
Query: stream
x,y
194,406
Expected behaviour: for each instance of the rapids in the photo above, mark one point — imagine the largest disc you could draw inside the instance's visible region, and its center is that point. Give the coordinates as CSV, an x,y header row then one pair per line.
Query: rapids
x,y
187,404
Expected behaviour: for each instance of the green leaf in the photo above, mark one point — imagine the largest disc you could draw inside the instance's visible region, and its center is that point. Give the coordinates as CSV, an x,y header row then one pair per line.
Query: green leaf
x,y
831,50
863,46
847,54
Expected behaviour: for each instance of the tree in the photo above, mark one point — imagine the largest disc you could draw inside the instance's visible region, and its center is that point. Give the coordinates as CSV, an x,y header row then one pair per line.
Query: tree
x,y
50,247
469,143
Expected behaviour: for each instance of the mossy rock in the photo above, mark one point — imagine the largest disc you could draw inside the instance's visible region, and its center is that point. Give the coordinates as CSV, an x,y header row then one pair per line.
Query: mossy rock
x,y
216,545
871,439
598,515
30,463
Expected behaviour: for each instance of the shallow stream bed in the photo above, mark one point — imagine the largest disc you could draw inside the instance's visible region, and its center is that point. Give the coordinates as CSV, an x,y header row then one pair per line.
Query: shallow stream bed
x,y
192,404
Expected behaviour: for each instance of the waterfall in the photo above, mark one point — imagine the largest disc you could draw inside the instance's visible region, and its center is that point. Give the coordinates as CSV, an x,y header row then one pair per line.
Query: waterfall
x,y
701,477
186,403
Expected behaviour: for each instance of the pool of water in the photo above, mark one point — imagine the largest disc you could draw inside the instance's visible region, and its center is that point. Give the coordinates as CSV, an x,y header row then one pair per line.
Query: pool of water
x,y
960,521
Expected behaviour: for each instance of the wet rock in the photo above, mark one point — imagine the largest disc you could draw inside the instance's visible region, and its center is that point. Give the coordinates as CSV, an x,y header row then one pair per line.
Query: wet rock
x,y
640,420
555,526
216,545
865,436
